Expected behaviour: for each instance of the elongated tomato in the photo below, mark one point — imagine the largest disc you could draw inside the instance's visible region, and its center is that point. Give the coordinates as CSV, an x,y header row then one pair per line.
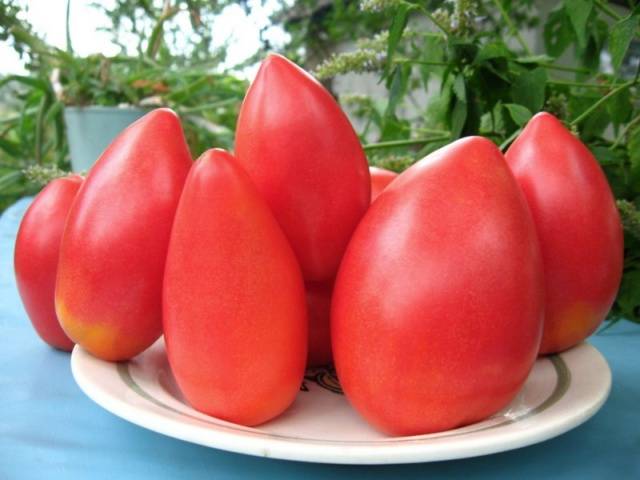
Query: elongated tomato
x,y
578,225
380,178
112,253
36,257
234,309
438,304
301,152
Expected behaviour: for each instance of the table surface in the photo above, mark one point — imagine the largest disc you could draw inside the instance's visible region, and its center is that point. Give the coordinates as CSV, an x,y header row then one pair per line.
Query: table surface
x,y
50,429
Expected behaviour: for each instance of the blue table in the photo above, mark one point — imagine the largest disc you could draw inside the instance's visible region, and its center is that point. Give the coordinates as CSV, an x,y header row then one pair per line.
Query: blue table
x,y
50,429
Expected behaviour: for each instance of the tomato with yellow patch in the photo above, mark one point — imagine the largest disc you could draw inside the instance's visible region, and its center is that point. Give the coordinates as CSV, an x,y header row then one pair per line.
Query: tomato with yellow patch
x,y
578,226
109,281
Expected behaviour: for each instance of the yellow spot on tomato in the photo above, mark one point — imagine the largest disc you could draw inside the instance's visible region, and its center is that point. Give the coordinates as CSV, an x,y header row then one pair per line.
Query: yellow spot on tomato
x,y
98,338
568,328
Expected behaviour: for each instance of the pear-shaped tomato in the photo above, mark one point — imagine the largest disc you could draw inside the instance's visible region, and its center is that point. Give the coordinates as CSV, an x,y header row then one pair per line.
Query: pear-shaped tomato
x,y
36,257
380,178
319,307
234,309
578,226
438,304
112,254
301,152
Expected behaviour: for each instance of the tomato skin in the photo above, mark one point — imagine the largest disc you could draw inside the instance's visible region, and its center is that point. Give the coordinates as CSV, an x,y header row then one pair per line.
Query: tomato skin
x,y
578,226
36,257
235,319
302,153
380,178
319,308
438,304
112,254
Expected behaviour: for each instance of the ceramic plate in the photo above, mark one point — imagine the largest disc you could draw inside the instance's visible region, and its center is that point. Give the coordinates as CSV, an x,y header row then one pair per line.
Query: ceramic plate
x,y
561,392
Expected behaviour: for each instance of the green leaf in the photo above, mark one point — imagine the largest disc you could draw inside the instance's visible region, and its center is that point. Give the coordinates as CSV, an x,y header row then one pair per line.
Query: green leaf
x,y
629,295
398,87
34,82
519,114
528,89
11,148
458,117
633,147
613,163
492,50
578,12
459,88
620,107
595,124
8,180
558,32
598,34
620,38
534,59
395,31
437,112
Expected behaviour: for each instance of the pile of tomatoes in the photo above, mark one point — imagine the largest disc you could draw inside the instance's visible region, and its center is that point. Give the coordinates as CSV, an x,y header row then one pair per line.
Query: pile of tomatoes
x,y
433,291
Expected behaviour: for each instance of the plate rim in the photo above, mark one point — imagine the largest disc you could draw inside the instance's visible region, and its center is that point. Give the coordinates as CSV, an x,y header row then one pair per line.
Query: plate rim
x,y
394,450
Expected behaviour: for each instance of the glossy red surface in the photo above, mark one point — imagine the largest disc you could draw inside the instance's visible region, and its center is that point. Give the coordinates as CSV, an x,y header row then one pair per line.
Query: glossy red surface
x,y
109,282
303,155
235,319
578,226
438,304
36,257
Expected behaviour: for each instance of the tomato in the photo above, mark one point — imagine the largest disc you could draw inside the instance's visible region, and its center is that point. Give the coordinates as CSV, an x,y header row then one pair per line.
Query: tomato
x,y
234,309
112,253
302,153
438,304
36,257
380,178
319,307
578,226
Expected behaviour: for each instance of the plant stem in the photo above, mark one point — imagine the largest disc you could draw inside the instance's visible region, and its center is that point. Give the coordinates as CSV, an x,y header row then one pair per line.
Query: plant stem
x,y
434,131
67,29
624,131
607,9
602,100
39,129
403,143
209,106
510,139
187,88
156,37
420,62
512,26
562,68
566,83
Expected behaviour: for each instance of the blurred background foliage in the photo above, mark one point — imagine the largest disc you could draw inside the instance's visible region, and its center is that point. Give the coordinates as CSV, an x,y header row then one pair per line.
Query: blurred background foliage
x,y
33,145
412,75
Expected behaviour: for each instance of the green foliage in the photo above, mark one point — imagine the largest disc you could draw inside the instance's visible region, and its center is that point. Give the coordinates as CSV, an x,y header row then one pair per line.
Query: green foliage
x,y
481,77
621,35
32,132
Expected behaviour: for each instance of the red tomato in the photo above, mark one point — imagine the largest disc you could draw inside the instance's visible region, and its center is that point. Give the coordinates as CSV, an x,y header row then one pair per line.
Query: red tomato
x,y
438,305
300,150
36,257
109,283
234,311
578,226
380,178
319,307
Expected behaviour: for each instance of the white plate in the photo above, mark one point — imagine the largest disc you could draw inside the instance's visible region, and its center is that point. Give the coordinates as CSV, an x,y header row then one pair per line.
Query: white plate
x,y
561,392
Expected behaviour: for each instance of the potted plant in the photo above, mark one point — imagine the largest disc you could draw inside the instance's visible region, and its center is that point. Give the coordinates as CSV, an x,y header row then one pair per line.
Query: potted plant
x,y
61,115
